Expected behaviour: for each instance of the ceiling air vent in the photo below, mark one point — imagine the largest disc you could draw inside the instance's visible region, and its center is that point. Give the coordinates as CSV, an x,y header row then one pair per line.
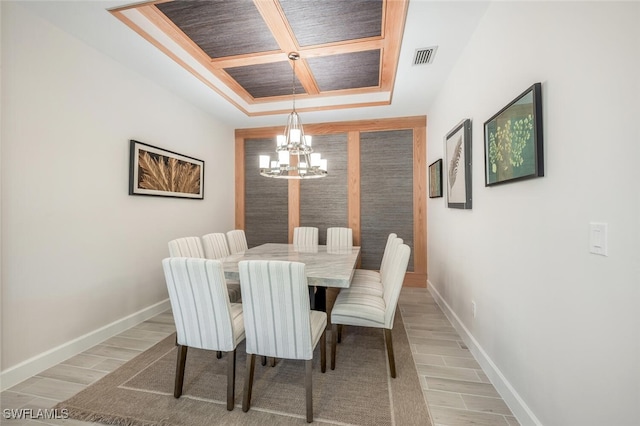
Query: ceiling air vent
x,y
424,55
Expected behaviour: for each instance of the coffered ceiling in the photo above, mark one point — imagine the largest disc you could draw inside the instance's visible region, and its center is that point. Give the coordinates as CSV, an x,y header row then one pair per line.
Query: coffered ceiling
x,y
239,48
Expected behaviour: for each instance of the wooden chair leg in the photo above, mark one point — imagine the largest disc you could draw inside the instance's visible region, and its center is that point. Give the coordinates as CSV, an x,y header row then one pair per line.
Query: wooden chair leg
x,y
339,333
323,351
309,389
264,360
231,379
180,363
272,361
334,332
218,354
389,344
248,382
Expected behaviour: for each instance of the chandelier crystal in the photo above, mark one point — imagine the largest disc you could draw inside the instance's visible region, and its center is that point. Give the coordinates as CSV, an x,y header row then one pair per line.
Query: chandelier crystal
x,y
295,157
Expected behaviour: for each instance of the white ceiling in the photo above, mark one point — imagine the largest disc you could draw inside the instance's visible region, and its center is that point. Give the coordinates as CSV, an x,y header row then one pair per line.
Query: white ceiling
x,y
446,24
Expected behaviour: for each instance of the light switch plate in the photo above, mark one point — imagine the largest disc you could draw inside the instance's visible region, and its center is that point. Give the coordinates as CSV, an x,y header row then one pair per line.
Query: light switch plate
x,y
598,238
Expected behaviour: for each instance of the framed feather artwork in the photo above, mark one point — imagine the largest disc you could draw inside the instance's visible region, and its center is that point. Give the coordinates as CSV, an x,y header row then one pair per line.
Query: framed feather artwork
x,y
159,172
458,165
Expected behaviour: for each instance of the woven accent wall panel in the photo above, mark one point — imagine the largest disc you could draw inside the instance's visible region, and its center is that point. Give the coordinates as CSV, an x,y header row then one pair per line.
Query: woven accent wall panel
x,y
266,199
323,202
386,192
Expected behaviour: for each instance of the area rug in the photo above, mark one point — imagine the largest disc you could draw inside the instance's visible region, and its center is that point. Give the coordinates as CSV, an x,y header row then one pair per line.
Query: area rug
x,y
358,392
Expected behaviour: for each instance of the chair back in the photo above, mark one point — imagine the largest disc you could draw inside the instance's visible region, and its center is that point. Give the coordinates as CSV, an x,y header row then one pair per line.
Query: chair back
x,y
305,236
338,238
186,247
237,241
215,245
387,249
200,304
388,255
392,281
275,298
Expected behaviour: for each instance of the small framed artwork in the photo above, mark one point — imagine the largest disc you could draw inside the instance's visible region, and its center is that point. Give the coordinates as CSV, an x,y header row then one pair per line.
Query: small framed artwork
x,y
458,163
513,140
159,172
435,179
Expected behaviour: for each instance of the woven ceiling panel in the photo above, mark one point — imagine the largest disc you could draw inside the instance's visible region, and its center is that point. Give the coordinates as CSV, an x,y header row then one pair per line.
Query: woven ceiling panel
x,y
347,71
265,80
334,21
221,28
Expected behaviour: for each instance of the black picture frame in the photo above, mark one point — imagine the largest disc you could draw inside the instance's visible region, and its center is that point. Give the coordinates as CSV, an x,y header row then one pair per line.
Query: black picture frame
x,y
435,179
458,165
513,142
155,171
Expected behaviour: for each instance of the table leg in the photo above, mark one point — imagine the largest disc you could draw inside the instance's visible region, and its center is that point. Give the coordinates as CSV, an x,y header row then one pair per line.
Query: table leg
x,y
321,299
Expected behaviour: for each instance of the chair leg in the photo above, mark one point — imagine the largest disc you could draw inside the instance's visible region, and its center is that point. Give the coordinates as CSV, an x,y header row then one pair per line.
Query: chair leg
x,y
323,351
389,344
218,354
340,333
272,361
309,389
180,363
264,360
248,382
334,332
231,379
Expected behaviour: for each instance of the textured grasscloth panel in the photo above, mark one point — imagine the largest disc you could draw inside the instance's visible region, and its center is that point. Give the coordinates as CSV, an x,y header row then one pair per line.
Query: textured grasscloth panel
x,y
266,199
336,20
264,80
323,202
347,70
220,27
386,192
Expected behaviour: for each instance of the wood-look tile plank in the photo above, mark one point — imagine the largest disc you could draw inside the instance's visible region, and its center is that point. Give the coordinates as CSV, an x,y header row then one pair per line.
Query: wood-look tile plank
x,y
69,373
486,404
455,417
113,352
84,360
461,386
444,399
464,374
53,389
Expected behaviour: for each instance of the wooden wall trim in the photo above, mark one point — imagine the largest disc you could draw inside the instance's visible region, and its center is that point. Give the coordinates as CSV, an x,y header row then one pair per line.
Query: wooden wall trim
x,y
240,184
294,207
340,127
353,182
420,200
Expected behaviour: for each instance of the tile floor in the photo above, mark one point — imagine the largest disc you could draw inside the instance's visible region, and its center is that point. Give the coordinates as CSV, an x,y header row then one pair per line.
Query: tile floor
x,y
457,392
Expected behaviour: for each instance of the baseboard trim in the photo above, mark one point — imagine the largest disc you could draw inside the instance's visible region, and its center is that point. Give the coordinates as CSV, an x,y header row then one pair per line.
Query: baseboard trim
x,y
32,366
518,407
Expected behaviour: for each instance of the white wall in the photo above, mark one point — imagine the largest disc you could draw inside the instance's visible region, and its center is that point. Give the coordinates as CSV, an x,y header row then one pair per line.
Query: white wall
x,y
558,327
79,253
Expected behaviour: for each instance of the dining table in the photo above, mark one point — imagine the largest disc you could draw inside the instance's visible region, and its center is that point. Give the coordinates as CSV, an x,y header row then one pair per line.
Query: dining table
x,y
325,266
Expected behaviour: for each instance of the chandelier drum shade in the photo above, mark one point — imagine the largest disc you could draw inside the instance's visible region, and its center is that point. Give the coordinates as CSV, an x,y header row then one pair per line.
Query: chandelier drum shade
x,y
295,157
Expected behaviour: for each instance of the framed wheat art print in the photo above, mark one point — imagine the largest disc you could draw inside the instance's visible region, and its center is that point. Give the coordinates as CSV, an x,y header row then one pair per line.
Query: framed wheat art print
x,y
458,165
159,172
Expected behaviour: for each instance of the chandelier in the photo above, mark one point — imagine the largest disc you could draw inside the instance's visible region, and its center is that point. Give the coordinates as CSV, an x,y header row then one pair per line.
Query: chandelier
x,y
295,158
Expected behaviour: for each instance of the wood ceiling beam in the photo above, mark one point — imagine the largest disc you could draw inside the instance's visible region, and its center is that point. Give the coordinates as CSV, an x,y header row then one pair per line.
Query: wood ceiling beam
x,y
394,16
276,20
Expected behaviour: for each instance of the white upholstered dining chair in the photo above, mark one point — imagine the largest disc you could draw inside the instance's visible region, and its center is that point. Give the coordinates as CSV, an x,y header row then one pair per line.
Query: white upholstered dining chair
x,y
278,320
203,315
305,236
215,245
368,309
186,247
339,238
193,247
237,241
